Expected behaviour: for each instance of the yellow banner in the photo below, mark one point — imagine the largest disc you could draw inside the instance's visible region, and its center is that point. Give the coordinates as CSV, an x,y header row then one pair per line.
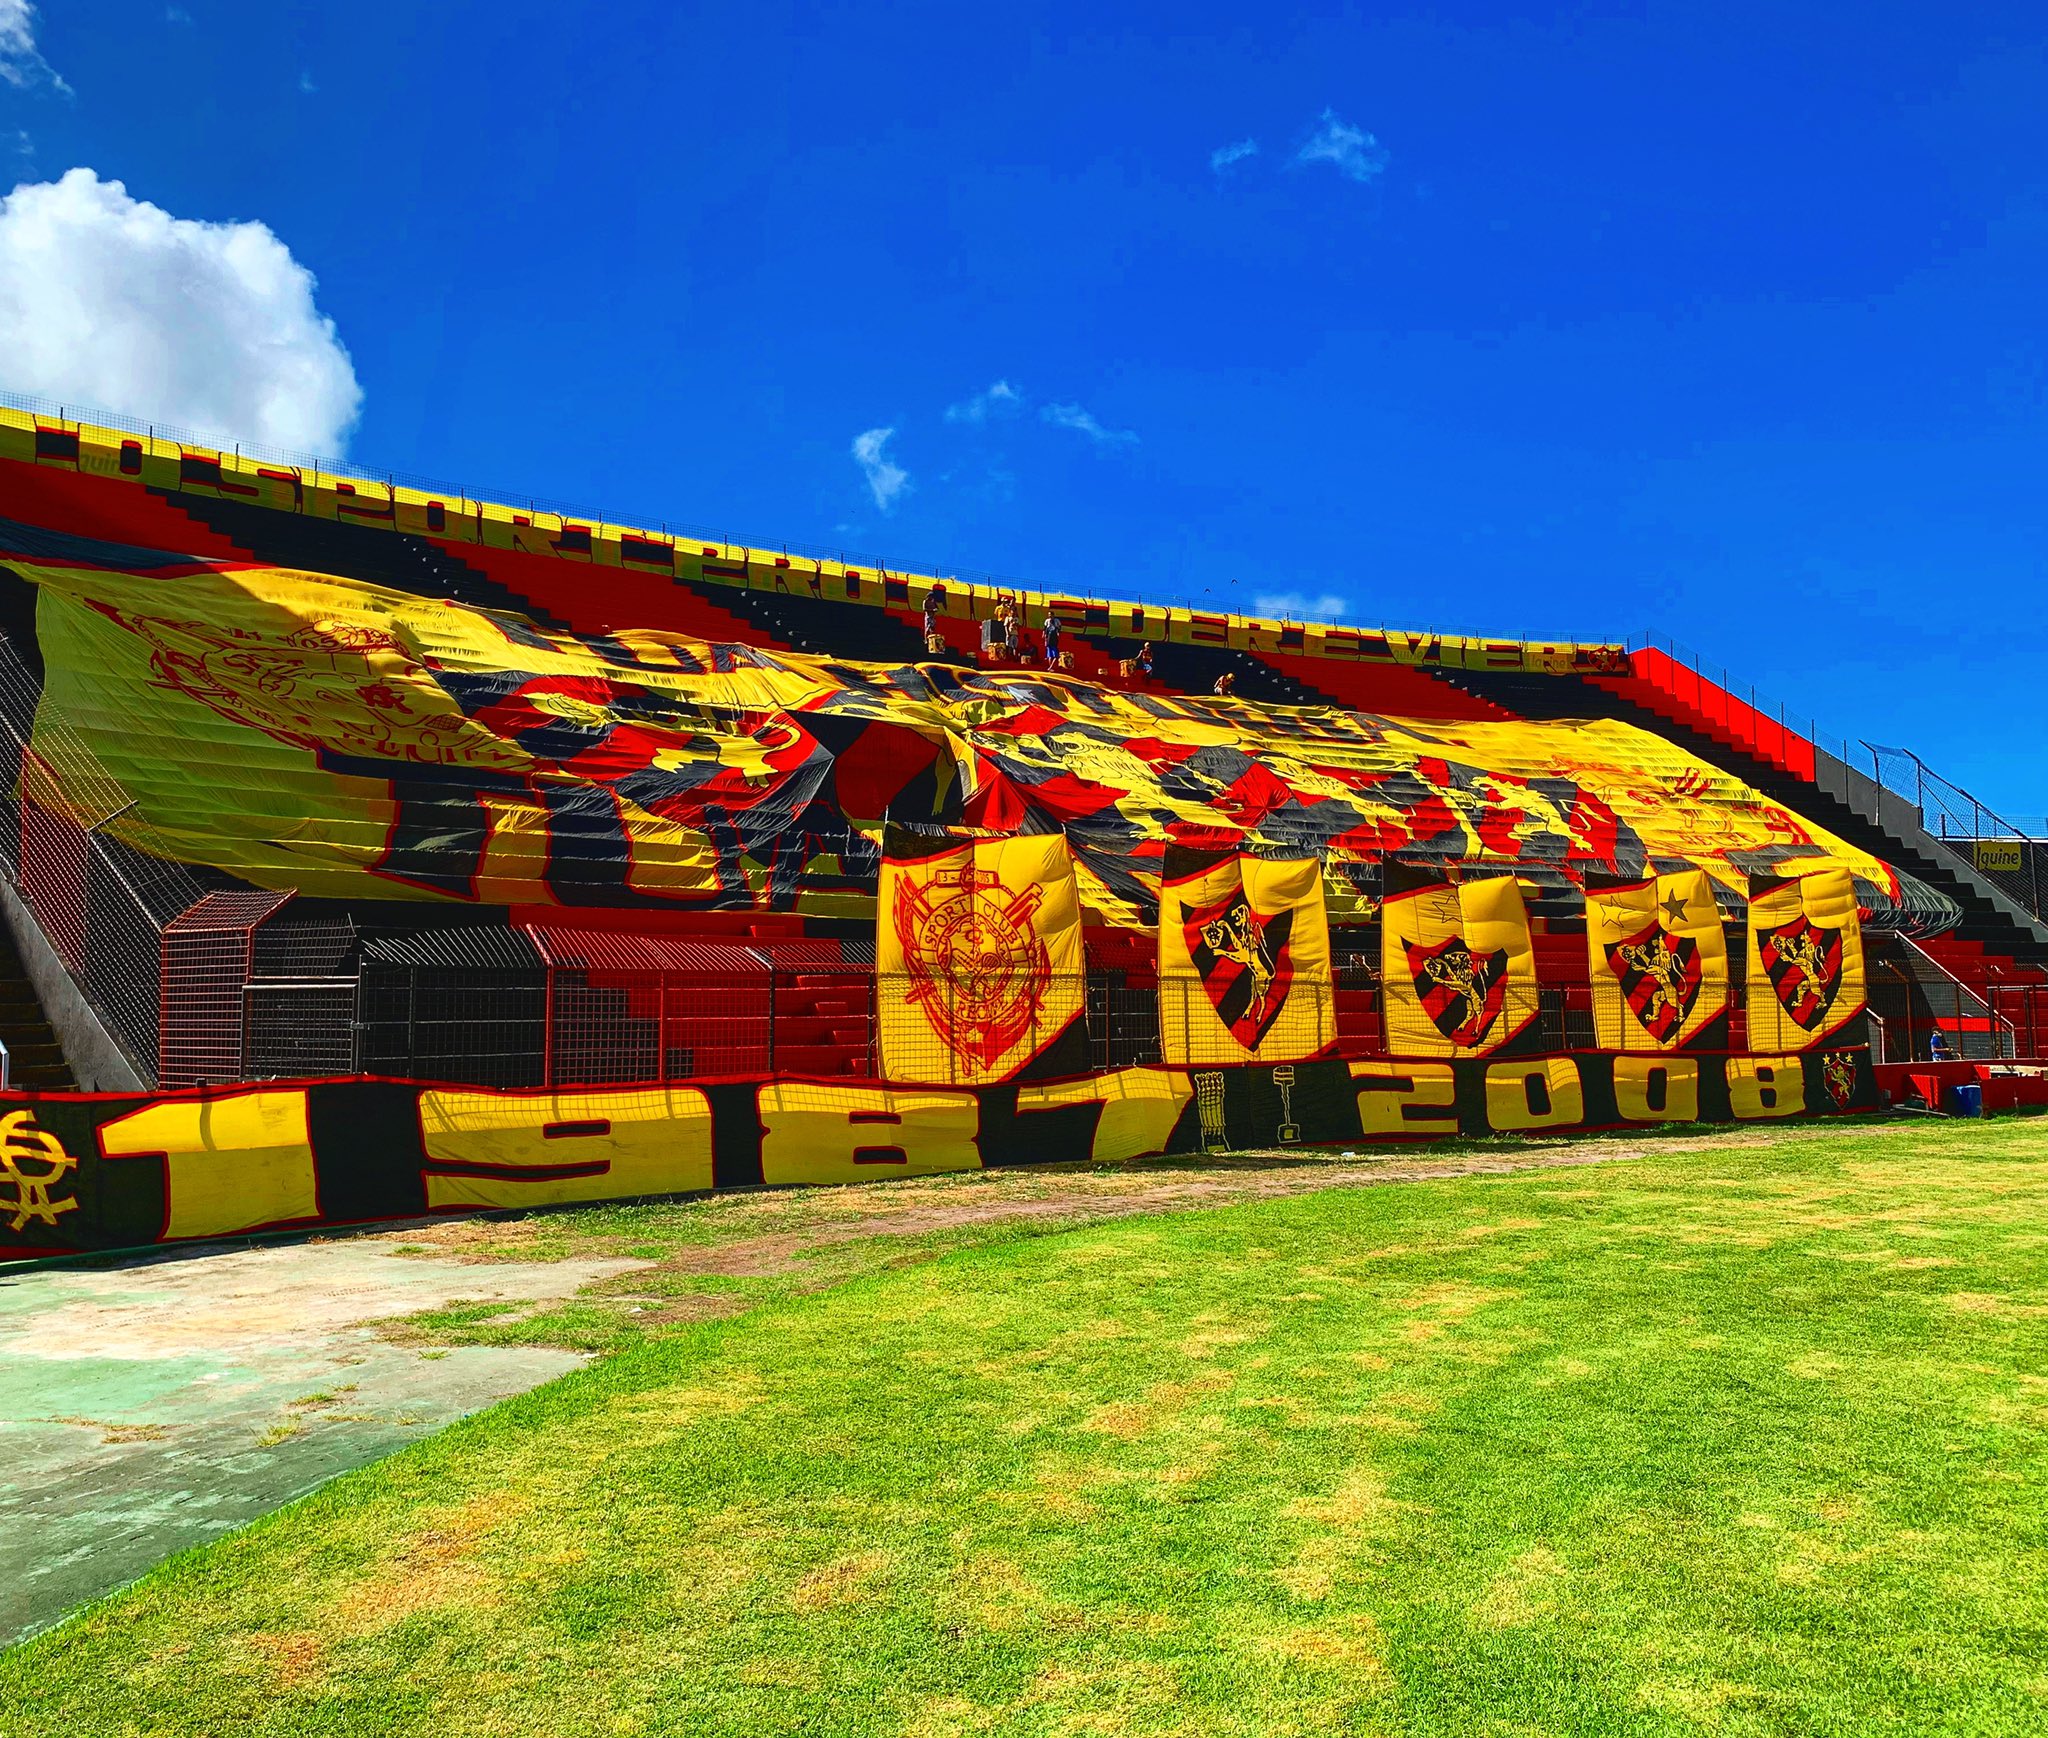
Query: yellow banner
x,y
978,965
1806,976
1658,960
1457,971
1244,959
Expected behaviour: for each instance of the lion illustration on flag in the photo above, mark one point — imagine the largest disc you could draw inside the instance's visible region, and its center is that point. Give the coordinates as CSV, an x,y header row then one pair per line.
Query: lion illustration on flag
x,y
1462,992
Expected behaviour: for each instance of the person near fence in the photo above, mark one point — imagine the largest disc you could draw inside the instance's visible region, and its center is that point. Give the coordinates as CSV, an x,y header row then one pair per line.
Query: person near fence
x,y
1052,640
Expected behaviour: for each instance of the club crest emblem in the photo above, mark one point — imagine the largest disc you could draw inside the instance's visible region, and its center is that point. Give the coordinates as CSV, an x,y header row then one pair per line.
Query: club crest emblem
x,y
1838,1071
1460,991
1804,965
1660,977
33,1165
1243,962
976,966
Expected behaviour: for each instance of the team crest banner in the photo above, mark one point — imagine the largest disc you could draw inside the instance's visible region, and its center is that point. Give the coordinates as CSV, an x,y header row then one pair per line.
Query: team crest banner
x,y
1806,978
978,965
1457,971
1244,959
1659,961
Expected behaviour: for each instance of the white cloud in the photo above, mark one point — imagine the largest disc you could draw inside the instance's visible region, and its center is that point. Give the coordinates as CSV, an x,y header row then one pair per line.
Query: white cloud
x,y
1295,606
108,301
21,62
1351,151
886,479
1001,399
1223,156
306,85
176,15
1082,422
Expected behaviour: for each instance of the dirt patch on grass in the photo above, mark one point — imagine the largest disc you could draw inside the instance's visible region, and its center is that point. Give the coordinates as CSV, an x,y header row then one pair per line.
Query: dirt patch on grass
x,y
913,1207
289,1660
780,1242
433,1569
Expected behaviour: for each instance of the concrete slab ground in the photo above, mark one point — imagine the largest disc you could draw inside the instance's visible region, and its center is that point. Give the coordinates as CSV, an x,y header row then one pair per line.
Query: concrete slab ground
x,y
154,1404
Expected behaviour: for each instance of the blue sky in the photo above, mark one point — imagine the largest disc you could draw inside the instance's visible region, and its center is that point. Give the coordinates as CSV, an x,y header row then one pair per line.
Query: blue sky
x,y
1724,321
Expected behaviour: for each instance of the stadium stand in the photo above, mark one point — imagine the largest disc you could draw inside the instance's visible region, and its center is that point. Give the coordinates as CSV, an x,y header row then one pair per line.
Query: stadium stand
x,y
638,844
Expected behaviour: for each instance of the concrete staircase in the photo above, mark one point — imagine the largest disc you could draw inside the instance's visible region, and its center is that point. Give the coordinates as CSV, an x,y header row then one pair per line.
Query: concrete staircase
x,y
388,558
1846,802
35,1059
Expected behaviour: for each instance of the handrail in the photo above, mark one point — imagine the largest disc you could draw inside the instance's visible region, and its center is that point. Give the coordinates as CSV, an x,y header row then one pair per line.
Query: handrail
x,y
1994,1020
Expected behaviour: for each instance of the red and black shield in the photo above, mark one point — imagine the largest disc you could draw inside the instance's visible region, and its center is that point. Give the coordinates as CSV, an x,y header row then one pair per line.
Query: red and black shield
x,y
1804,964
1243,962
1838,1070
1460,991
1660,979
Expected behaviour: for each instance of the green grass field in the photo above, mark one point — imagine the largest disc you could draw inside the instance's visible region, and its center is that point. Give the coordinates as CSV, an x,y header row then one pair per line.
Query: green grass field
x,y
1745,1438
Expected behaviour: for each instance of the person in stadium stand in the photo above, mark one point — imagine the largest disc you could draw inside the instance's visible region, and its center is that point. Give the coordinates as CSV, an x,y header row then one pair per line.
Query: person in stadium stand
x,y
1006,622
991,637
1226,684
1937,1047
1141,665
1052,640
932,641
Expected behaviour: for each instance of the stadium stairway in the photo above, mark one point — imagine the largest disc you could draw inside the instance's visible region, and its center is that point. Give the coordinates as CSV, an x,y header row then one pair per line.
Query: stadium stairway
x,y
387,558
35,1059
1195,670
1848,803
823,627
1914,993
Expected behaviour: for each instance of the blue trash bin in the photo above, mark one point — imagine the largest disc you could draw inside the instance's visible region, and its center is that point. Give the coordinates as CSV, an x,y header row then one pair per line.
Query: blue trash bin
x,y
1966,1100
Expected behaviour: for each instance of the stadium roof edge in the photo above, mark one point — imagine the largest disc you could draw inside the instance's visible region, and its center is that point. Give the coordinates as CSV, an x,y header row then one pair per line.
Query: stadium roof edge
x,y
29,413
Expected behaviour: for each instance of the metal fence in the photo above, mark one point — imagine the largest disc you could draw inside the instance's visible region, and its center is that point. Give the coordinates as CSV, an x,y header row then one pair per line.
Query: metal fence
x,y
102,904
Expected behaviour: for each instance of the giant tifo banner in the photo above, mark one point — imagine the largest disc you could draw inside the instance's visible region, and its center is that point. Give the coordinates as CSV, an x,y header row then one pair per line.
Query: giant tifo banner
x,y
104,1172
329,737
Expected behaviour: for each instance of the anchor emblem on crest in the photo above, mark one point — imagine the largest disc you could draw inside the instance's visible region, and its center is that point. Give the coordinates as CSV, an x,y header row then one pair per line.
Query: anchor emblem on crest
x,y
22,1144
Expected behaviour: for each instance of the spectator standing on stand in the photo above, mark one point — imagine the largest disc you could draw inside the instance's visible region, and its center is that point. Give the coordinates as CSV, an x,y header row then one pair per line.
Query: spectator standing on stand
x,y
1052,640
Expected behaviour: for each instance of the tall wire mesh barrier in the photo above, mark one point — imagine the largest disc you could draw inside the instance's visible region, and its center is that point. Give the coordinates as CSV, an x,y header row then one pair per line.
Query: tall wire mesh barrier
x,y
102,904
2002,852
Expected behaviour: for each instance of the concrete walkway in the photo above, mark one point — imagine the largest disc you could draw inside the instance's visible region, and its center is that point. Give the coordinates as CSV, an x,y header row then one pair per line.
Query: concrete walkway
x,y
151,1406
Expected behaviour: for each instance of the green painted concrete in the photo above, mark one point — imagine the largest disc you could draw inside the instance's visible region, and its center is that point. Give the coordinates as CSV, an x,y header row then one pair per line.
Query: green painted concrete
x,y
149,1406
